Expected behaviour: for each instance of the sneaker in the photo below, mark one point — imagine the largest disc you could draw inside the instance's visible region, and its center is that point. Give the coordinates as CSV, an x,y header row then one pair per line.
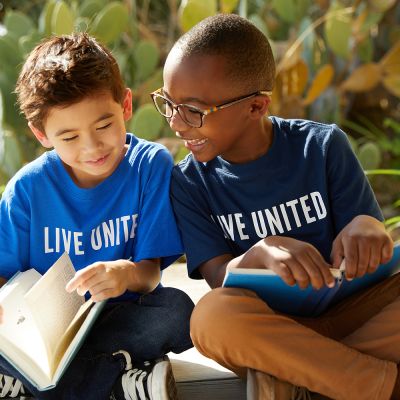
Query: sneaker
x,y
149,380
261,386
11,388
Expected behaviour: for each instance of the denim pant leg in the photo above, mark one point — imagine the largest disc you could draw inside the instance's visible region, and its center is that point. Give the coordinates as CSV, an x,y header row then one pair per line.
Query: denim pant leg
x,y
148,328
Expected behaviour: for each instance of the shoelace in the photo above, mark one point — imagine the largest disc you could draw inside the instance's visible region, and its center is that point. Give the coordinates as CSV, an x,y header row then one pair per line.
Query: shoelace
x,y
135,382
10,387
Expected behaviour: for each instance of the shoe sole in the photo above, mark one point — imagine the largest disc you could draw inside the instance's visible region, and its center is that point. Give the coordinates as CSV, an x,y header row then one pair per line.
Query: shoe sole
x,y
163,382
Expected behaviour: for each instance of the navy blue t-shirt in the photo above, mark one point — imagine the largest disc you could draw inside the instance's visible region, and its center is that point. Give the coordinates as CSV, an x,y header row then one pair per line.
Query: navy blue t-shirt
x,y
308,186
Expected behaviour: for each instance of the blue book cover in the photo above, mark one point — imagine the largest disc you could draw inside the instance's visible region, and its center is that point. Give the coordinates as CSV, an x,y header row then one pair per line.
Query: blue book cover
x,y
307,302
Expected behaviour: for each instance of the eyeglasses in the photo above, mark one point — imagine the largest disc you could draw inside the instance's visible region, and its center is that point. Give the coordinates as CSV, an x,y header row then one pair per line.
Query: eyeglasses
x,y
192,115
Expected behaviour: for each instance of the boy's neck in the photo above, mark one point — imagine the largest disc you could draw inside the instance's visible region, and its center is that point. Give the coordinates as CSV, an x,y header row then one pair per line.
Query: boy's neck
x,y
260,137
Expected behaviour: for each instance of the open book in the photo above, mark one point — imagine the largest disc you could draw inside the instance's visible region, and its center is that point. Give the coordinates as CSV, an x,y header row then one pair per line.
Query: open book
x,y
43,325
307,302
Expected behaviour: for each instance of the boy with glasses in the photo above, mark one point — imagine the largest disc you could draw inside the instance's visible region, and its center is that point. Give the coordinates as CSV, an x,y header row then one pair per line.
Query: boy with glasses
x,y
102,195
285,195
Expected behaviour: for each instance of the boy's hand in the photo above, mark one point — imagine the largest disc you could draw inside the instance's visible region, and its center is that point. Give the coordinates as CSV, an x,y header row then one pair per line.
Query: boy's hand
x,y
364,244
296,262
102,280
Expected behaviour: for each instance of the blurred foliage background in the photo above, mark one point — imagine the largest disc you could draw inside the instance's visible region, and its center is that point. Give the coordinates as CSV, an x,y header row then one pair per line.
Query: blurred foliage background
x,y
337,61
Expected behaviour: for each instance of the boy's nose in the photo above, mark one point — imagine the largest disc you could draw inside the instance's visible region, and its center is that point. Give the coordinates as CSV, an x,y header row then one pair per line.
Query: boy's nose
x,y
91,142
177,123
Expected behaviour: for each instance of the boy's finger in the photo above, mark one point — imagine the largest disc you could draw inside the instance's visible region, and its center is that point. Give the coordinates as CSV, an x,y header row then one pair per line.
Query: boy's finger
x,y
299,273
364,254
313,270
337,253
387,251
79,279
351,256
374,257
324,269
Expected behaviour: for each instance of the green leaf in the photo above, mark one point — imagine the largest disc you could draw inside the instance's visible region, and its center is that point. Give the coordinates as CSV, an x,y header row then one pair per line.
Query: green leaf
x,y
369,156
10,56
381,5
146,56
110,22
259,23
81,24
193,11
12,160
227,6
28,42
286,9
366,50
338,30
18,23
146,122
46,17
89,8
62,20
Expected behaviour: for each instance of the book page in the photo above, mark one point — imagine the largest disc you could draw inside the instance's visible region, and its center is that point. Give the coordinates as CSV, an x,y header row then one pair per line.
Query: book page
x,y
20,341
52,307
88,314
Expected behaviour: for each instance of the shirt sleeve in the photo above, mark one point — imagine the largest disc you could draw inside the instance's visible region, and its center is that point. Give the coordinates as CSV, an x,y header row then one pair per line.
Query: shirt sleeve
x,y
349,189
157,233
202,238
14,232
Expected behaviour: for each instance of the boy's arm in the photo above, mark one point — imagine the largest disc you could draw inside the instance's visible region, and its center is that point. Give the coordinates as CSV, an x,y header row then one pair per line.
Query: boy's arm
x,y
293,260
104,280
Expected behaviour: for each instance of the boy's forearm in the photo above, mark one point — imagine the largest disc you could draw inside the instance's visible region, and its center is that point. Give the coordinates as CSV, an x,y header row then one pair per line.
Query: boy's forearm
x,y
145,276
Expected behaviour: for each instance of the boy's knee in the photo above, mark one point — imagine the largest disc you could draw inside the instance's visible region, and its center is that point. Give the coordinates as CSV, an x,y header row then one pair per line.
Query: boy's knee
x,y
180,303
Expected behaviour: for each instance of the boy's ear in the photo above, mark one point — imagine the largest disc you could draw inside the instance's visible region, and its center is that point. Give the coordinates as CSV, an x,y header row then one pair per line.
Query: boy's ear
x,y
259,106
40,136
127,104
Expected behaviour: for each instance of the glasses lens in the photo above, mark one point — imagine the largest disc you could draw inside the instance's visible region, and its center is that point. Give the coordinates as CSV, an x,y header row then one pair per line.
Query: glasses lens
x,y
190,115
163,106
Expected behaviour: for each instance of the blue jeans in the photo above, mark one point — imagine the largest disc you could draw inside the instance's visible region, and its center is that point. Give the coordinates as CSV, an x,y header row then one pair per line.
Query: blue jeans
x,y
147,328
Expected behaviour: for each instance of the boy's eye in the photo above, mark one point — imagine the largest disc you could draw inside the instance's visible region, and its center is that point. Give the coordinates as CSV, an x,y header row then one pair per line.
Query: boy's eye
x,y
69,138
105,126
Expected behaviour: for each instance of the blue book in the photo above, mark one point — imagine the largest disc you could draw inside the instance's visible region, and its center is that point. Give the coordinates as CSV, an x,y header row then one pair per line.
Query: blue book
x,y
307,302
44,326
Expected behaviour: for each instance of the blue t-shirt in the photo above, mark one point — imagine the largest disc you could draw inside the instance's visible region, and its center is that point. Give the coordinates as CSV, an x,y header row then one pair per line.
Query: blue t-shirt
x,y
44,213
308,186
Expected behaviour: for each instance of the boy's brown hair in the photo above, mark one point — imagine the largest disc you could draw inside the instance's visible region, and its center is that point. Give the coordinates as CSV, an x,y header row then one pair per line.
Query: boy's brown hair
x,y
63,70
249,59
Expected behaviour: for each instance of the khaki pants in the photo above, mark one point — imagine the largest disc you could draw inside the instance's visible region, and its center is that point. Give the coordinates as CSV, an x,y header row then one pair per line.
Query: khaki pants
x,y
350,352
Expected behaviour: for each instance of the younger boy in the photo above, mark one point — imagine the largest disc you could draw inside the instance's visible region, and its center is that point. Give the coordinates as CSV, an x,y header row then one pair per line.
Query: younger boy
x,y
102,195
288,195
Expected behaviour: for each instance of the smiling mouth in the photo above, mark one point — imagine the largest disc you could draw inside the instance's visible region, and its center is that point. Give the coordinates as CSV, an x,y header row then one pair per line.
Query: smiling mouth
x,y
195,142
98,161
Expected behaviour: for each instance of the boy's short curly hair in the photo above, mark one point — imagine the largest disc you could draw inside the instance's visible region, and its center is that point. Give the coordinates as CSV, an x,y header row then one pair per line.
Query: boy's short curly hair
x,y
63,70
248,54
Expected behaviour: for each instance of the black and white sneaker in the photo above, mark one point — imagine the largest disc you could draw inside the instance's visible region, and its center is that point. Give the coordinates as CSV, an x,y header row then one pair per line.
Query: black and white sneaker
x,y
11,388
149,380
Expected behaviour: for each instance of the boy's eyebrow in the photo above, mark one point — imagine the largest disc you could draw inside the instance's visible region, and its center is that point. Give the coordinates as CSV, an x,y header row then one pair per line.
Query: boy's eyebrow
x,y
186,100
67,130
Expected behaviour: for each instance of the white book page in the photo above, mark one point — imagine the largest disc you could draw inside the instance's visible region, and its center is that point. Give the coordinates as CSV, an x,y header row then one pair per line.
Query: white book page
x,y
21,342
52,307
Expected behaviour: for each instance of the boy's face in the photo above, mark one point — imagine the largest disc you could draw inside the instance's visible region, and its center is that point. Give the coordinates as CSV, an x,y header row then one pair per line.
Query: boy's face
x,y
201,81
89,136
